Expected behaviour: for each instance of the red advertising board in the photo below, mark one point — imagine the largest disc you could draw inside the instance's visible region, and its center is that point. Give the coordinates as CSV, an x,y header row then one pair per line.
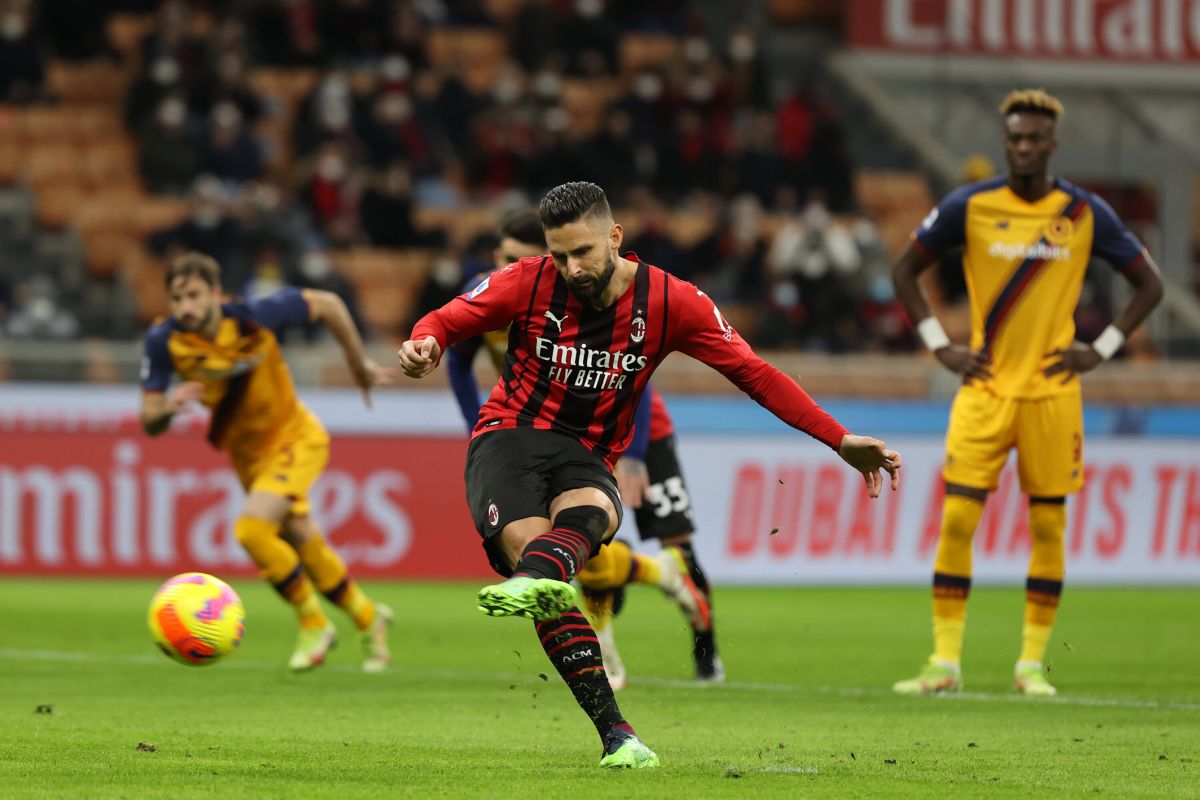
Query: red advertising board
x,y
1127,31
108,500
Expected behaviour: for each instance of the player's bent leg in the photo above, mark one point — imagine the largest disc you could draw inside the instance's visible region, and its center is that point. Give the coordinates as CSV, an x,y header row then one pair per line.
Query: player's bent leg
x,y
695,600
1043,589
259,533
327,570
951,587
540,584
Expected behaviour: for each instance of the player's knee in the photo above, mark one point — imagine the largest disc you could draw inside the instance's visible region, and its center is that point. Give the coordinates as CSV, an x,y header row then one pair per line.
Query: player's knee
x,y
1047,522
592,521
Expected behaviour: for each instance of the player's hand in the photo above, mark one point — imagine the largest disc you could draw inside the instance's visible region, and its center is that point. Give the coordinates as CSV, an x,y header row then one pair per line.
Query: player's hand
x,y
368,375
966,362
418,358
1072,361
871,457
184,395
633,481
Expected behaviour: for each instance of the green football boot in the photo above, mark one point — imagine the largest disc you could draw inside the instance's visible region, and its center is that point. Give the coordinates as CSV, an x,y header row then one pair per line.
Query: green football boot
x,y
536,598
936,677
1030,678
624,750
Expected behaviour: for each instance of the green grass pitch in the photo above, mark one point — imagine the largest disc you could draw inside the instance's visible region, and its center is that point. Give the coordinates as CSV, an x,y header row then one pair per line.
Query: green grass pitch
x,y
464,712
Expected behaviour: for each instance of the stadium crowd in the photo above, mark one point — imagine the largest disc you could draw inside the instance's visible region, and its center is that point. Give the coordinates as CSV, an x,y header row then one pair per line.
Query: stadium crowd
x,y
292,131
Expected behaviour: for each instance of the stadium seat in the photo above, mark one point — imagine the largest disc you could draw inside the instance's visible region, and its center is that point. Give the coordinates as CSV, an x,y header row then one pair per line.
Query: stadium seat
x,y
52,163
57,204
43,125
12,156
104,251
386,283
88,82
640,51
804,12
461,225
110,161
476,55
156,213
144,274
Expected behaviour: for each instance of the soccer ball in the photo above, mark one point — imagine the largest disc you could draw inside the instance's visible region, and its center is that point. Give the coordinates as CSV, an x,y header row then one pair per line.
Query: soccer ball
x,y
197,619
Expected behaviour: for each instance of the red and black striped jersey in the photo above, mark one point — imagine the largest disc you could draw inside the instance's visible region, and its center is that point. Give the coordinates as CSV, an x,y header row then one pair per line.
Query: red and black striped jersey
x,y
661,425
580,371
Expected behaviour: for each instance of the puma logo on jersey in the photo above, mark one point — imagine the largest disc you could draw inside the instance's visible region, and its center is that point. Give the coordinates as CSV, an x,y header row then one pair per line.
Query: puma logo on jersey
x,y
557,322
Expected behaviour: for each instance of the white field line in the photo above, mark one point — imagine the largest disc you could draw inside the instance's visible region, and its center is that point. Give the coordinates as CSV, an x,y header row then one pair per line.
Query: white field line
x,y
67,656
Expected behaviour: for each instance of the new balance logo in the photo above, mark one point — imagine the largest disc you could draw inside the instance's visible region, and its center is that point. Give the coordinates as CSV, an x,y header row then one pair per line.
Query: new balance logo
x,y
557,322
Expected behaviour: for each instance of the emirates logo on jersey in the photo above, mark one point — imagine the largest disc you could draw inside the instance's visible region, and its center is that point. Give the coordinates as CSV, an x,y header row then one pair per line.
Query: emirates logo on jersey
x,y
638,331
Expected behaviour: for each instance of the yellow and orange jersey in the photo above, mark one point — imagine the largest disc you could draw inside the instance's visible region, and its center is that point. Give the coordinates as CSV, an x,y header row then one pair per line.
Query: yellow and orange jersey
x,y
1024,265
247,384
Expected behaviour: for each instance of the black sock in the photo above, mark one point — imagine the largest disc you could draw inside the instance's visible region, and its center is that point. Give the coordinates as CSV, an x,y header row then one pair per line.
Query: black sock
x,y
704,643
559,554
571,645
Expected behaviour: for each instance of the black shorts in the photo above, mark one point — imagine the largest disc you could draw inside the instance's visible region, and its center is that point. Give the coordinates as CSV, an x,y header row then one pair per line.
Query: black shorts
x,y
667,510
514,473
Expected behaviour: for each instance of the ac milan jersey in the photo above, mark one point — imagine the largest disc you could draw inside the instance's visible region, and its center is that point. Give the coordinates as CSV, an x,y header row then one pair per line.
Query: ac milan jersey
x,y
580,371
661,425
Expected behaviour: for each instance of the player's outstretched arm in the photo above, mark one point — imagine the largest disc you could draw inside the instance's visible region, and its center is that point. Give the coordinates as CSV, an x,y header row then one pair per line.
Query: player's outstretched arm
x,y
419,357
954,357
158,408
328,308
871,458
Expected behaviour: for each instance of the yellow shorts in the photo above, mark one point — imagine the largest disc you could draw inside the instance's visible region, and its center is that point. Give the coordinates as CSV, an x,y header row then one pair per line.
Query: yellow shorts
x,y
289,468
1047,432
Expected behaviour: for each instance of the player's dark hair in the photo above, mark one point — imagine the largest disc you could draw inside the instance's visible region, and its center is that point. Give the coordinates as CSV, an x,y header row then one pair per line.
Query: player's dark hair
x,y
196,264
573,201
524,225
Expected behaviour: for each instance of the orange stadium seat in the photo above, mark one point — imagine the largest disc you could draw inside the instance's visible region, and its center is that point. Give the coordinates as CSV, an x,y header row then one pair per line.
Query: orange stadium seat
x,y
639,51
57,204
144,273
87,82
155,213
474,54
110,161
52,163
688,229
386,282
804,12
47,124
91,123
287,86
104,251
504,10
12,157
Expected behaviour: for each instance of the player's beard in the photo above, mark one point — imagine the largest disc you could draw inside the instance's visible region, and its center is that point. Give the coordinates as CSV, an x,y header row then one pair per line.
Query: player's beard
x,y
589,290
193,327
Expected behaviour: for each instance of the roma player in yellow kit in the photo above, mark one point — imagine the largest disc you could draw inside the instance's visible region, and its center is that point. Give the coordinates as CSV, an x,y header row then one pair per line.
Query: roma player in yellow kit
x,y
228,357
1027,239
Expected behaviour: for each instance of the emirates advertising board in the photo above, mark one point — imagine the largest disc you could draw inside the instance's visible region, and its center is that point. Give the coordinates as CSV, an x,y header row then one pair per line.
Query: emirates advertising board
x,y
84,492
1161,32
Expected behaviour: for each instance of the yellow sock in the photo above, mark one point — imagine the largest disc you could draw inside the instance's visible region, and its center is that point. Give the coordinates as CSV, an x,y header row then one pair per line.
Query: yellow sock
x,y
280,566
1043,588
646,570
952,576
609,569
329,573
599,608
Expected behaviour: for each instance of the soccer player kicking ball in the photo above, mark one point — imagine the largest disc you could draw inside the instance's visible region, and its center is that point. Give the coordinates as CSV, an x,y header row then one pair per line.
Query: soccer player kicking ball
x,y
648,470
588,329
228,356
1027,239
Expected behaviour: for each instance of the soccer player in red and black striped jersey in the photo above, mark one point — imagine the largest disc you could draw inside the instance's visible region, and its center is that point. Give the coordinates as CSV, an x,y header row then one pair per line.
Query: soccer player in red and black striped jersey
x,y
587,329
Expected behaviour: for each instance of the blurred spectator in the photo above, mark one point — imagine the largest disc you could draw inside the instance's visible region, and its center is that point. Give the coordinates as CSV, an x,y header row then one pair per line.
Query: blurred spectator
x,y
315,271
37,315
22,59
168,157
653,243
810,262
387,209
228,84
209,229
334,191
230,153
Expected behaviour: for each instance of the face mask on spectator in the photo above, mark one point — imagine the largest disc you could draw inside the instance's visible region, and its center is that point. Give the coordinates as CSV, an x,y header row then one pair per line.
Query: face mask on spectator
x,y
395,69
648,87
171,113
742,48
547,85
316,266
165,71
700,89
507,90
13,26
589,9
207,217
696,50
332,168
